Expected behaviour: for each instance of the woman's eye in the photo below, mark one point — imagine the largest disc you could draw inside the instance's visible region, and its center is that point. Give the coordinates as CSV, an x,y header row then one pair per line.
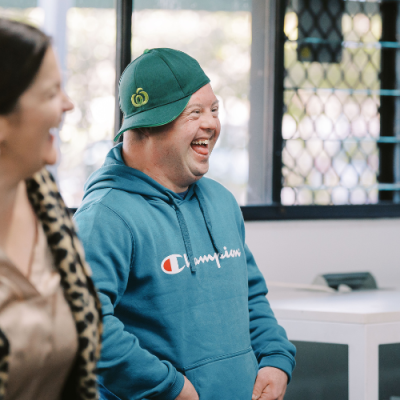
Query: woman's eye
x,y
52,94
54,91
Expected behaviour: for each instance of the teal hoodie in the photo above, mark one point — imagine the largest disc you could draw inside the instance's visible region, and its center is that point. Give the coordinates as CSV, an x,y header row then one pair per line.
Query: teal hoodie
x,y
180,291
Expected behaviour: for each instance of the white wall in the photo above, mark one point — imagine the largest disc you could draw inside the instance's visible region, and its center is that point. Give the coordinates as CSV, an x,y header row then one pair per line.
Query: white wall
x,y
297,251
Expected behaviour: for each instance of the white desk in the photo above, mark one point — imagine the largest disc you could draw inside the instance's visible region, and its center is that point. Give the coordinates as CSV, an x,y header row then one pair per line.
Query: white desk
x,y
362,320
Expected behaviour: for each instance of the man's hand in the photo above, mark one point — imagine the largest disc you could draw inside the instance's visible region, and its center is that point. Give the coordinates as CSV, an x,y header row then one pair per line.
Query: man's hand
x,y
270,384
188,392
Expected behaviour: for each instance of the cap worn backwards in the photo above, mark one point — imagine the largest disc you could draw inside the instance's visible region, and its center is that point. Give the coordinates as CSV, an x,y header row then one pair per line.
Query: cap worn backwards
x,y
155,88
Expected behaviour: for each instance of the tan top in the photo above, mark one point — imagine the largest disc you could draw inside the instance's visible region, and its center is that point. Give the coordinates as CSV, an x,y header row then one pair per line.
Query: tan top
x,y
38,323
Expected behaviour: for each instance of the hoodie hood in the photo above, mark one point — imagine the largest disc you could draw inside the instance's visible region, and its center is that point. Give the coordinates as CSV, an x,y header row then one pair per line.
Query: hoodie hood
x,y
115,174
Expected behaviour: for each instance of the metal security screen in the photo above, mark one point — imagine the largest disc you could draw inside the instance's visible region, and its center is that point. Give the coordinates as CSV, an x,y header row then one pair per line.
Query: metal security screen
x,y
340,101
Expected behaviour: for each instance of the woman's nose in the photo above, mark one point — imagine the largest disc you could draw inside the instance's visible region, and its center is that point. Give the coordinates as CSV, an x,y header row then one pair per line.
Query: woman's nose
x,y
67,103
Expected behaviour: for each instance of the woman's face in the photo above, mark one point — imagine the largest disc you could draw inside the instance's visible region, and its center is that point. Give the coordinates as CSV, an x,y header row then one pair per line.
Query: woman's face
x,y
26,141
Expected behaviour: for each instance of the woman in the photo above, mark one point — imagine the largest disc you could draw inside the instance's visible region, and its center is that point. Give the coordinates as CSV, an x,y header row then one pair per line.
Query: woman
x,y
50,322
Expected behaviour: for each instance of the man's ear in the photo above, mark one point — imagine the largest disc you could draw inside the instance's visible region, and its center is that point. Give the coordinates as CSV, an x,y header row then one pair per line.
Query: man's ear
x,y
144,132
135,135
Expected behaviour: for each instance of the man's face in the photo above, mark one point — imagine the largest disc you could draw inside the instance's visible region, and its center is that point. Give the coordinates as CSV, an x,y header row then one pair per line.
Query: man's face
x,y
181,152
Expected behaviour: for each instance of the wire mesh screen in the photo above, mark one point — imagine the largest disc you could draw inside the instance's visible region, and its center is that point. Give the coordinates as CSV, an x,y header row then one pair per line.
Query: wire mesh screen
x,y
332,92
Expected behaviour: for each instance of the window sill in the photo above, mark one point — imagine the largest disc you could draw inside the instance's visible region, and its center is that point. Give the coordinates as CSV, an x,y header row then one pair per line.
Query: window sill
x,y
280,212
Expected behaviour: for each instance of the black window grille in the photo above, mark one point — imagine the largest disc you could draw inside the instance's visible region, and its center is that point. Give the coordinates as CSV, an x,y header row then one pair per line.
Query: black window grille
x,y
340,130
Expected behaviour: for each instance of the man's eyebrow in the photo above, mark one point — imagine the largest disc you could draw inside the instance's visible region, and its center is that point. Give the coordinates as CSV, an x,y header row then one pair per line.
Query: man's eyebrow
x,y
194,105
201,105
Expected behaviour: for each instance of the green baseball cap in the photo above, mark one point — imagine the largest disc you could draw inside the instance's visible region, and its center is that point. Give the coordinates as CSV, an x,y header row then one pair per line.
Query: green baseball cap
x,y
155,88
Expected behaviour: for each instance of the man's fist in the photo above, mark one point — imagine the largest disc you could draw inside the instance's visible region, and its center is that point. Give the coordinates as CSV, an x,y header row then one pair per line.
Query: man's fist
x,y
188,392
270,384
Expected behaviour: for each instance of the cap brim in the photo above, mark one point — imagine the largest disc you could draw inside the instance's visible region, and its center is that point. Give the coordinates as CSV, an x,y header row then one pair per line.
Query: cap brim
x,y
155,117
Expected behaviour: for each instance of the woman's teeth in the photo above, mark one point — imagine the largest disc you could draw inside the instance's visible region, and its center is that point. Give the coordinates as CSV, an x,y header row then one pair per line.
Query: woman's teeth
x,y
200,141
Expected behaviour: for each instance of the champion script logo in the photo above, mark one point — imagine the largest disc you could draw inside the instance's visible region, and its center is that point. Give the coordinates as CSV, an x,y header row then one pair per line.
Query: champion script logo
x,y
176,263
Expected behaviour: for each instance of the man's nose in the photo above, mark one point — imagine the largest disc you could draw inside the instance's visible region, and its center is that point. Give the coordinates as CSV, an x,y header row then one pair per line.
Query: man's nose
x,y
209,121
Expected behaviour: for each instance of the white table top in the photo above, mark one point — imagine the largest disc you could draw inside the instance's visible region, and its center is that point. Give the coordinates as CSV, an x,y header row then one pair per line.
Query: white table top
x,y
360,307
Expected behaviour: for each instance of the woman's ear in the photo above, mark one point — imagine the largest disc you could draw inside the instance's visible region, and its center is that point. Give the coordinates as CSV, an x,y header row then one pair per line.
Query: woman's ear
x,y
7,123
3,127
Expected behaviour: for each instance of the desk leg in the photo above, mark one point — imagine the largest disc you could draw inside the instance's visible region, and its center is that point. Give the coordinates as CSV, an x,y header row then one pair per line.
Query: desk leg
x,y
363,365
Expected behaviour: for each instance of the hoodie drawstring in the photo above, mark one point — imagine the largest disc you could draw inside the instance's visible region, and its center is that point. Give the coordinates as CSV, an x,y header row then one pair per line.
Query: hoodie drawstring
x,y
185,230
204,211
185,233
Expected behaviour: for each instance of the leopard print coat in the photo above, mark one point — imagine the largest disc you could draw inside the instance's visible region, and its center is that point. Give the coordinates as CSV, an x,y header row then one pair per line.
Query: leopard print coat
x,y
78,288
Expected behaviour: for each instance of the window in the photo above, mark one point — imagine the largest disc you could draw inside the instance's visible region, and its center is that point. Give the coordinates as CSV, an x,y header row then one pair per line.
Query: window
x,y
87,134
324,106
332,94
313,92
24,10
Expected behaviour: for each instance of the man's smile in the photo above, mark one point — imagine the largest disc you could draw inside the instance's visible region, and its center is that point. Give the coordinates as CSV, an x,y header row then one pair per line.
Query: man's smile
x,y
200,146
200,141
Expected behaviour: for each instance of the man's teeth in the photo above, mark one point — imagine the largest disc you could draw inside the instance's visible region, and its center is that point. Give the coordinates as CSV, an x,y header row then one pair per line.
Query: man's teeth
x,y
200,141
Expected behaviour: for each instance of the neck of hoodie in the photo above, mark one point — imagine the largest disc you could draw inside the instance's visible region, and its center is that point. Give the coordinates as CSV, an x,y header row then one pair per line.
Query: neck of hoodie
x,y
115,174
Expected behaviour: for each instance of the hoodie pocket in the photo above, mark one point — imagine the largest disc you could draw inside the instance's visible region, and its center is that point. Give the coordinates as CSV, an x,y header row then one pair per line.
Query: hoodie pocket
x,y
229,377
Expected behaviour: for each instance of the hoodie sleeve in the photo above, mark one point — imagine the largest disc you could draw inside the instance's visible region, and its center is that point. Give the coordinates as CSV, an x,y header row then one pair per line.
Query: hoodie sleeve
x,y
126,369
268,339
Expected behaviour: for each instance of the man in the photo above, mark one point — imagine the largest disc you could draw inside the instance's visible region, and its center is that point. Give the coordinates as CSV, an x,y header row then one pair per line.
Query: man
x,y
185,313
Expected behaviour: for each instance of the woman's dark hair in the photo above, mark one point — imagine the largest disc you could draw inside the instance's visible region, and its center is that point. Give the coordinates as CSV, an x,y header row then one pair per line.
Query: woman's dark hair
x,y
22,49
